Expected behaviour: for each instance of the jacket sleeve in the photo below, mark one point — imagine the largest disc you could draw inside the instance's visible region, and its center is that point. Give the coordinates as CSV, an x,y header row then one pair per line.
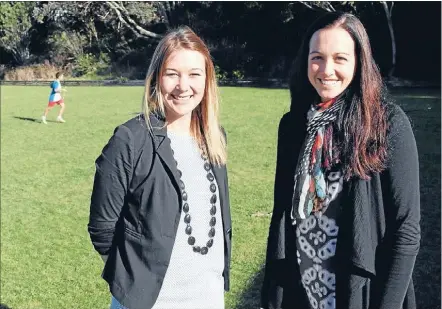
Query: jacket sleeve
x,y
400,184
111,182
280,287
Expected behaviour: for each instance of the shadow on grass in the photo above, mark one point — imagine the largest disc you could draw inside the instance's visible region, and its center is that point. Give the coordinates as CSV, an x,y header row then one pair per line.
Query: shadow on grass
x,y
250,299
3,306
37,120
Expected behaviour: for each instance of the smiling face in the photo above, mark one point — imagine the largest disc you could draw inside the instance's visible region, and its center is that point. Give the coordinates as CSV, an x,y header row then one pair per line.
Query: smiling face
x,y
331,62
182,83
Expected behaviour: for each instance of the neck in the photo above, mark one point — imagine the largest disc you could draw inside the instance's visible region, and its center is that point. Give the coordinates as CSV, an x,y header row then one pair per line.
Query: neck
x,y
179,125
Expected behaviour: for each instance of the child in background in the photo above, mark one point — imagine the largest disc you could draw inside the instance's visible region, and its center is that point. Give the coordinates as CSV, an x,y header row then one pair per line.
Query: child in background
x,y
55,98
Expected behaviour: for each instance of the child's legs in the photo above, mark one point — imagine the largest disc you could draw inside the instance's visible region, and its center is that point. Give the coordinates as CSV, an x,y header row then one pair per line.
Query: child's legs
x,y
48,108
60,113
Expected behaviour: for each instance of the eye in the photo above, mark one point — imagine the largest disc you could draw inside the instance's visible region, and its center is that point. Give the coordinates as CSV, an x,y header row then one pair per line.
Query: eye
x,y
171,74
340,58
195,74
316,58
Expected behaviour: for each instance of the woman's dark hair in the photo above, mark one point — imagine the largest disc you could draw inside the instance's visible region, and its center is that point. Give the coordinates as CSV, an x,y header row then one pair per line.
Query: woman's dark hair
x,y
360,135
57,75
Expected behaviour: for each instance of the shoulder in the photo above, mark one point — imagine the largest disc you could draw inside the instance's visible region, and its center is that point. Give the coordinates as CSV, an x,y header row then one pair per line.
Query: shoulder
x,y
130,137
401,143
290,124
286,119
134,129
398,121
136,123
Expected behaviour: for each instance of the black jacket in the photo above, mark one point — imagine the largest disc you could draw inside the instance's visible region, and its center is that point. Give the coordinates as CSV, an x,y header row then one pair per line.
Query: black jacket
x,y
379,230
135,210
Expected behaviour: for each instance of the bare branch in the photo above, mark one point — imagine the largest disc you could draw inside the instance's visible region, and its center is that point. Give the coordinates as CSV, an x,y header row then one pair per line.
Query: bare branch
x,y
130,23
323,6
330,6
307,5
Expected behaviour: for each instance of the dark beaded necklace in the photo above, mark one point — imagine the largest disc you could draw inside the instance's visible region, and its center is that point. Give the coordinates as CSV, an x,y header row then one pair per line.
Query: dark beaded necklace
x,y
187,218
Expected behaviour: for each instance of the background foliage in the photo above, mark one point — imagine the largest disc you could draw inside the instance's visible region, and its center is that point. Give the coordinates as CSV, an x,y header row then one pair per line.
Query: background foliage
x,y
247,39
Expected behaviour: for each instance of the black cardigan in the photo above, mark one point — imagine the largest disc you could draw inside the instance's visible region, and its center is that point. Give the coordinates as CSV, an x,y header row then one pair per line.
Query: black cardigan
x,y
379,230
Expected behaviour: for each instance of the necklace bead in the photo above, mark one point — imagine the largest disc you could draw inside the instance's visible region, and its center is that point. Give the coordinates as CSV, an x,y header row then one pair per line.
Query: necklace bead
x,y
181,185
212,221
209,243
186,208
187,218
212,232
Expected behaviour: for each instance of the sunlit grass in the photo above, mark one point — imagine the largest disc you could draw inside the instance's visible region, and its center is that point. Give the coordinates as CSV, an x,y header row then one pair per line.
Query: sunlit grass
x,y
47,260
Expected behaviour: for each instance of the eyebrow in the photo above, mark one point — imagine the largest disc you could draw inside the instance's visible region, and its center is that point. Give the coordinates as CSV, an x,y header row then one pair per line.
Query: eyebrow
x,y
317,52
189,70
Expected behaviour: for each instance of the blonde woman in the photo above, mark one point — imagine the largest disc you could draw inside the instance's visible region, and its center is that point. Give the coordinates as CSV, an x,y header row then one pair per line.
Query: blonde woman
x,y
160,212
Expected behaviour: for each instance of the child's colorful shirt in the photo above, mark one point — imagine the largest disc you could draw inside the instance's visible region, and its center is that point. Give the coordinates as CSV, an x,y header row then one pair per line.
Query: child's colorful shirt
x,y
55,96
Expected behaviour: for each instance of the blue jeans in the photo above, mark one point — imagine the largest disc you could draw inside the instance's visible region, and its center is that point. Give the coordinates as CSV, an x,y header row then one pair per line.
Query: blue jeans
x,y
116,305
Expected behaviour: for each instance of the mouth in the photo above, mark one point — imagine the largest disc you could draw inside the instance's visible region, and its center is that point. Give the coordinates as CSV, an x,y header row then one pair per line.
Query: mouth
x,y
181,98
328,82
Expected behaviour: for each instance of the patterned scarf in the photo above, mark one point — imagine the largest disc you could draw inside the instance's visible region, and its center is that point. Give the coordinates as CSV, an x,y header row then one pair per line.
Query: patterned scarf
x,y
315,157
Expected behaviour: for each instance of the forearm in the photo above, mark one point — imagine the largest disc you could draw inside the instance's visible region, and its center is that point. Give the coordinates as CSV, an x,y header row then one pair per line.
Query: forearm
x,y
393,280
101,236
113,170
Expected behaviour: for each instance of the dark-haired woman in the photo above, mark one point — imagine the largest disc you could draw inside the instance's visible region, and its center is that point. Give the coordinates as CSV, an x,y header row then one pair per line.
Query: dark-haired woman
x,y
345,229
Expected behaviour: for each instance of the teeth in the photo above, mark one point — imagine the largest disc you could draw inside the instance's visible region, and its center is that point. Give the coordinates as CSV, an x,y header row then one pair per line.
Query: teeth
x,y
183,98
328,82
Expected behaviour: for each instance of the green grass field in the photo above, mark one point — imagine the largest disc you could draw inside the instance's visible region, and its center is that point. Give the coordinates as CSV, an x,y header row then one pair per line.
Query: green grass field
x,y
47,259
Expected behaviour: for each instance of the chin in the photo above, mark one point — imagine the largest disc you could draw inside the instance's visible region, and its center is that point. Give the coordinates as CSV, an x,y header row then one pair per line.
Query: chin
x,y
328,95
181,112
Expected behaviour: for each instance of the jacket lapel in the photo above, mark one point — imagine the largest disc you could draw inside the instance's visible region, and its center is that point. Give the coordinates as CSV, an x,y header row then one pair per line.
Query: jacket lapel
x,y
164,151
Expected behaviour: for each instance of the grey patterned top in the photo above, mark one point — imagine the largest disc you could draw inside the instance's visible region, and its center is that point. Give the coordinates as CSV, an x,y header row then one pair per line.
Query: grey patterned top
x,y
193,280
316,238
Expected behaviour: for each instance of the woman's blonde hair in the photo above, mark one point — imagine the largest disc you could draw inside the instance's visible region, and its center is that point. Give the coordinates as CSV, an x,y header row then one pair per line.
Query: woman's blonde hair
x,y
204,125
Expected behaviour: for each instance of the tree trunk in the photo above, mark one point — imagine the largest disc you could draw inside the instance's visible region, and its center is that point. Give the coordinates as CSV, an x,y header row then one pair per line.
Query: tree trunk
x,y
388,13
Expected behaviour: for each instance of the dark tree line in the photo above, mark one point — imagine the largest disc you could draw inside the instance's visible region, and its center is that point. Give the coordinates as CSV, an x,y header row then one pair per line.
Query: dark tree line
x,y
247,39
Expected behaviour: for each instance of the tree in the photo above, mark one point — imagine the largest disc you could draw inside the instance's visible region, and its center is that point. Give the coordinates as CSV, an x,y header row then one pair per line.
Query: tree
x,y
15,29
388,13
137,16
146,13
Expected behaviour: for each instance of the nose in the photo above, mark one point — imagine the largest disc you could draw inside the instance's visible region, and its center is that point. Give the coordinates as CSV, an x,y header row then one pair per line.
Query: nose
x,y
328,68
183,83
